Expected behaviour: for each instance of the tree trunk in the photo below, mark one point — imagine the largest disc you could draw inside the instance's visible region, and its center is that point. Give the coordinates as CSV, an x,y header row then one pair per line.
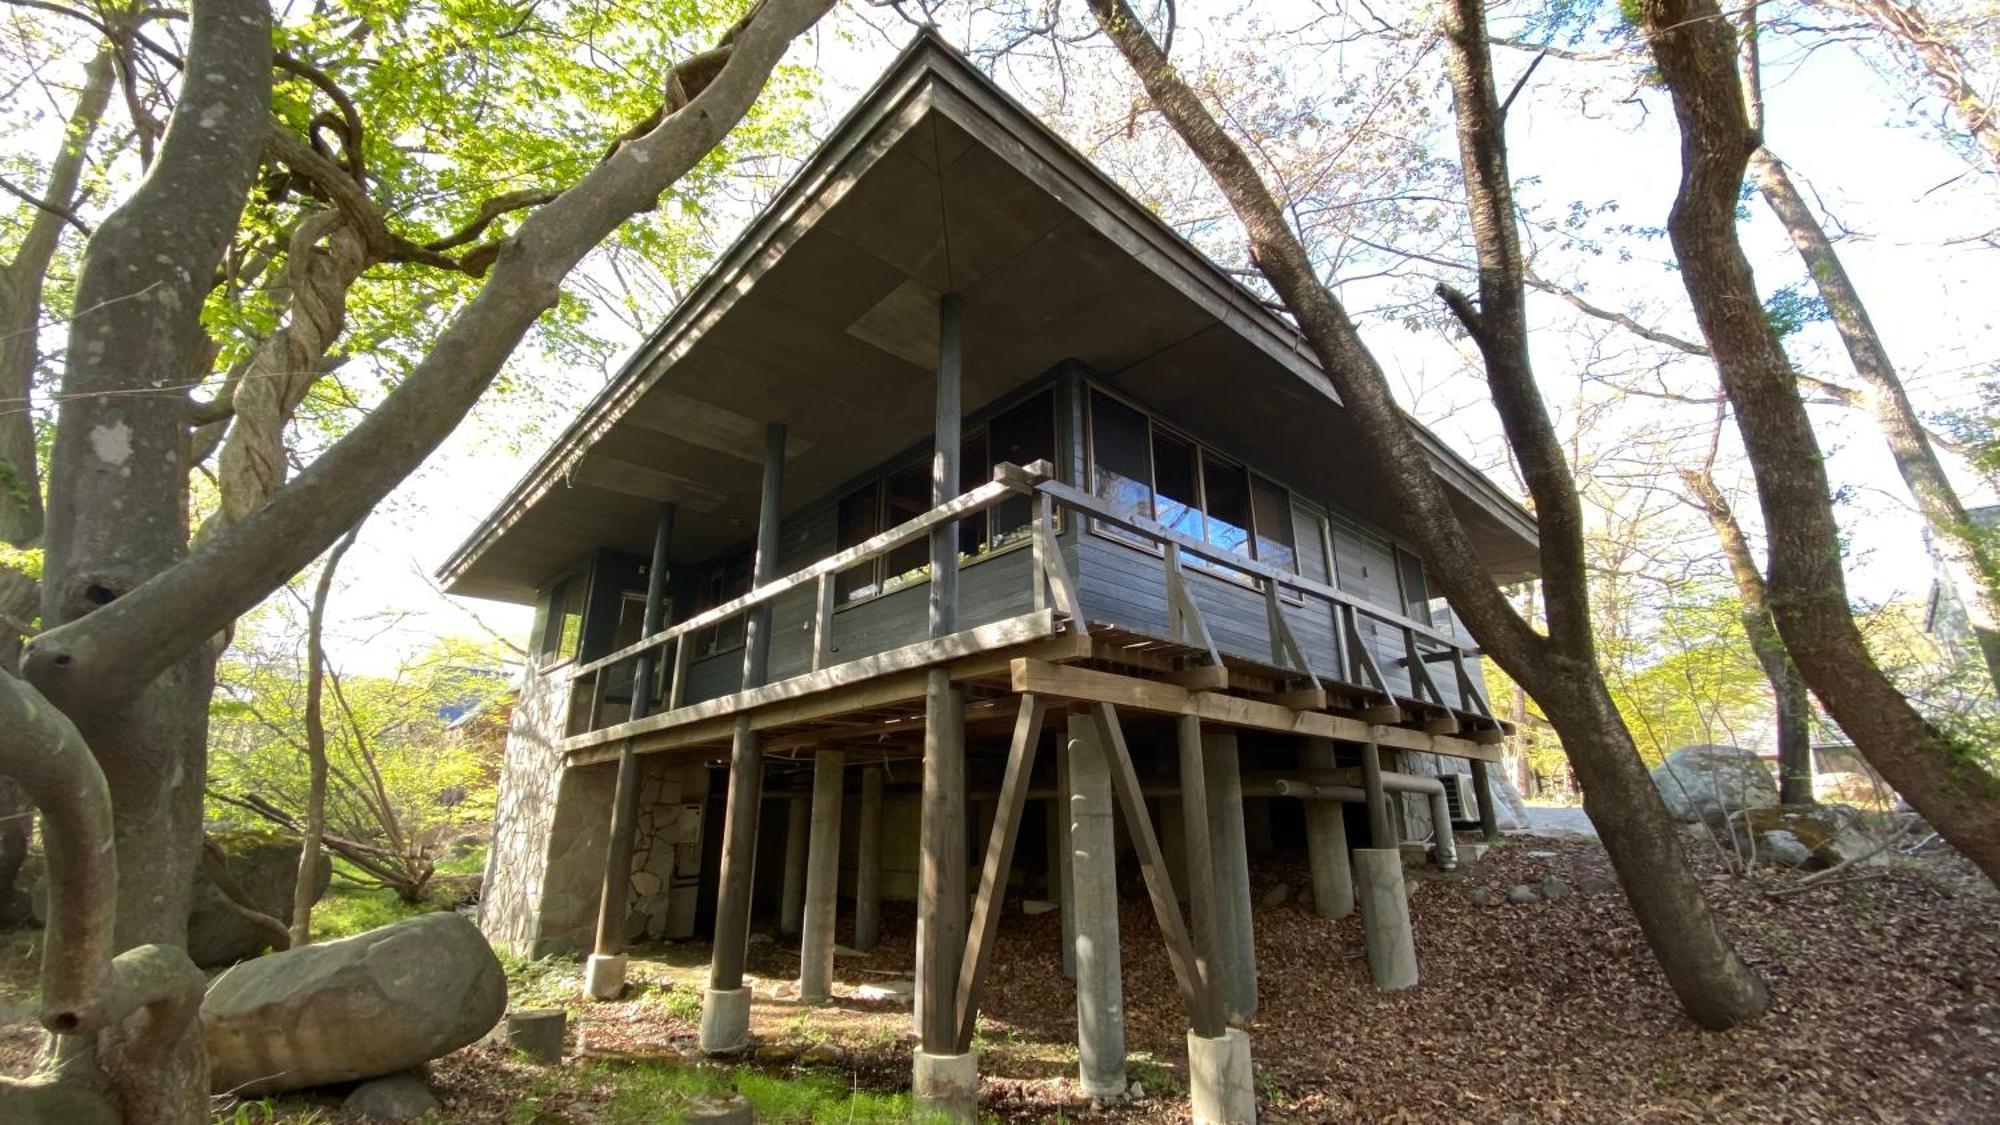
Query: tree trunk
x,y
1788,690
1967,563
1714,987
1694,48
306,889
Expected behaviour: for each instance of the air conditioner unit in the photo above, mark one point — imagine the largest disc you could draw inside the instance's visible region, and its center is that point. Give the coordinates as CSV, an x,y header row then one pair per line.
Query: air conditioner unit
x,y
1460,797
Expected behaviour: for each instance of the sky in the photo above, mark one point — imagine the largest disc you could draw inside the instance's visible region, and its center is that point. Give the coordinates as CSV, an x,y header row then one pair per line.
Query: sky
x,y
1831,117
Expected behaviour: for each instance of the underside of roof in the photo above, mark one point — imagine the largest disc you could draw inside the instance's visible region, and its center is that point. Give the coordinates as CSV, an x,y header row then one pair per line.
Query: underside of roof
x,y
823,316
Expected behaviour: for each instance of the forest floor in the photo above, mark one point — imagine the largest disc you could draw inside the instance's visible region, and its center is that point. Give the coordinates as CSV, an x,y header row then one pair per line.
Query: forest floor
x,y
1885,983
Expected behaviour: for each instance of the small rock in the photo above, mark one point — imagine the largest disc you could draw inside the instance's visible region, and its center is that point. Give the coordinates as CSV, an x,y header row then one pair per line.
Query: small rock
x,y
1553,887
1520,894
724,1109
1478,896
1278,895
1135,1091
1596,884
1783,848
821,1054
1543,855
397,1097
901,991
1035,906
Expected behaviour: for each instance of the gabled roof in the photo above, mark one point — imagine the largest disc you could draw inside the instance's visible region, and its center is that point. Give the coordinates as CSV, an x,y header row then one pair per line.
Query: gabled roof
x,y
936,181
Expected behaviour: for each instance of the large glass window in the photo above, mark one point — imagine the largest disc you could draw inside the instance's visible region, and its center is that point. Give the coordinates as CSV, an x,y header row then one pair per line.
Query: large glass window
x,y
1416,592
1143,469
1021,434
560,632
723,583
1271,511
859,519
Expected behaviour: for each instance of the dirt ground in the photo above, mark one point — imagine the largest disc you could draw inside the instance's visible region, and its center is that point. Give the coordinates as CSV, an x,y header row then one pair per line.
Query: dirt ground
x,y
1885,983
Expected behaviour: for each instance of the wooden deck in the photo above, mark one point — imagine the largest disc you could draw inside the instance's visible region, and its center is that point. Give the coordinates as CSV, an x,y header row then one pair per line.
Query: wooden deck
x,y
1055,652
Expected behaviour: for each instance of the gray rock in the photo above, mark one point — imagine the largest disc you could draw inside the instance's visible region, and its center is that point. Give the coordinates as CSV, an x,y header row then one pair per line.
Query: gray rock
x,y
1553,887
265,867
1708,784
900,991
725,1109
1521,894
398,1097
1135,1091
364,1006
1278,895
1478,896
1783,848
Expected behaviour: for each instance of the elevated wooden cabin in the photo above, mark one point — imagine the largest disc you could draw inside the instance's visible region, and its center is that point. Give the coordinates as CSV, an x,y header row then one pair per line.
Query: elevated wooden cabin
x,y
951,346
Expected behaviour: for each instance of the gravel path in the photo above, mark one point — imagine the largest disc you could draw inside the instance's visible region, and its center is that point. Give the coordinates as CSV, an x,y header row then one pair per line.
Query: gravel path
x,y
1560,818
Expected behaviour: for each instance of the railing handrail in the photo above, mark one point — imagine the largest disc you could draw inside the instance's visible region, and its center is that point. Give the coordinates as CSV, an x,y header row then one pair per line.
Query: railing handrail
x,y
1008,480
1014,480
1070,496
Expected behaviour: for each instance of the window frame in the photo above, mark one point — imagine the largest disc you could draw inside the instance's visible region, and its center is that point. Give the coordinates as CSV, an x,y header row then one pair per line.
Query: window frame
x,y
548,628
1203,452
882,584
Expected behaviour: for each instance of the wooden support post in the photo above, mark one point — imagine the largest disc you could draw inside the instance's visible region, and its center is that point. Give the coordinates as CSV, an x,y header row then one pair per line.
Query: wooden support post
x,y
725,1020
1326,841
1236,953
822,878
868,863
1100,991
1203,901
1203,1014
764,567
1059,811
615,895
998,863
941,916
1381,828
1489,817
944,465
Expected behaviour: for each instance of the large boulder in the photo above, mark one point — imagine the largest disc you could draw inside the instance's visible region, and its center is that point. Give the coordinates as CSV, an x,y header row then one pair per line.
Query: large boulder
x,y
265,867
373,1004
1708,784
1807,836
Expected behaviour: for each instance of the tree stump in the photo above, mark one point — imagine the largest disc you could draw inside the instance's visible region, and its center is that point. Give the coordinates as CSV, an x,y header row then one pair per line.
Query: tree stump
x,y
537,1033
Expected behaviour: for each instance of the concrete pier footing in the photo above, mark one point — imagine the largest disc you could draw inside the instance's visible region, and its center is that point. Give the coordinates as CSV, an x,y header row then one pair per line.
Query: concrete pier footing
x,y
1385,918
604,976
725,1021
945,1086
1221,1087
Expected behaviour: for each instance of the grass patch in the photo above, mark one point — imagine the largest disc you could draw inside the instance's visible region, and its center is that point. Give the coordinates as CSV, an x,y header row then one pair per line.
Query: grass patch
x,y
647,1093
550,982
346,910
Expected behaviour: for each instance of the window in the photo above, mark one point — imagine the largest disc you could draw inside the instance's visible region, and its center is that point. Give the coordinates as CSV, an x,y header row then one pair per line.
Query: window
x,y
1416,592
1142,469
559,630
1021,434
1271,512
724,582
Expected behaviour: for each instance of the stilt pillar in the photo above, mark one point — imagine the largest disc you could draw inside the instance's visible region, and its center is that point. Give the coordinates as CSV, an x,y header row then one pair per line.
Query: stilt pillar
x,y
868,863
1059,812
1326,841
792,893
1381,822
1100,994
822,879
725,1008
1489,817
604,973
1235,938
1385,918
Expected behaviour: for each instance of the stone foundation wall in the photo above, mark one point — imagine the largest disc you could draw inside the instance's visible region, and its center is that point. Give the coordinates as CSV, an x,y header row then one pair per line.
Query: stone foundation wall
x,y
550,830
666,850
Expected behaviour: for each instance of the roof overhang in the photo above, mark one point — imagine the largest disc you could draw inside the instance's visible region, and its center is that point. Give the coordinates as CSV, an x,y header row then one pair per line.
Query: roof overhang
x,y
822,316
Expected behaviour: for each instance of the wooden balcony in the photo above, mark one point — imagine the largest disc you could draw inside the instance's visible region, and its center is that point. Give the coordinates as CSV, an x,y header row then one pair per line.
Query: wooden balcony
x,y
1057,649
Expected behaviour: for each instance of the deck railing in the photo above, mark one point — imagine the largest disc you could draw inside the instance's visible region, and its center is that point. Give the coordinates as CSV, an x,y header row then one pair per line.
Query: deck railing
x,y
1055,587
